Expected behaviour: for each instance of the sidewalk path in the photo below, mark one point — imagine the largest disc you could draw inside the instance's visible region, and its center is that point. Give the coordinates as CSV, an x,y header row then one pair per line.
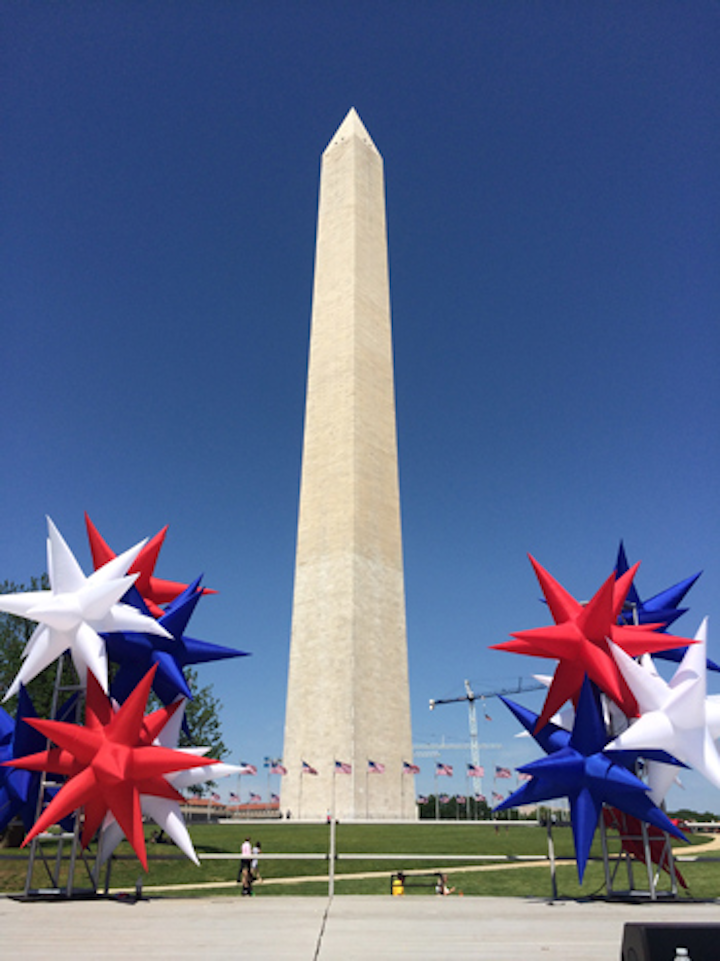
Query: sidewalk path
x,y
343,929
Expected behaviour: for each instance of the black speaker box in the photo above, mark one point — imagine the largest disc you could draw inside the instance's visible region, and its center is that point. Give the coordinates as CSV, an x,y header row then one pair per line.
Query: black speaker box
x,y
659,942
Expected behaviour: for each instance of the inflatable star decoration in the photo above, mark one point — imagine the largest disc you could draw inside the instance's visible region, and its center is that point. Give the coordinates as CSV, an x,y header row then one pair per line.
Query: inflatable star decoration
x,y
165,812
154,590
579,641
663,607
136,653
19,789
676,716
74,611
580,771
109,763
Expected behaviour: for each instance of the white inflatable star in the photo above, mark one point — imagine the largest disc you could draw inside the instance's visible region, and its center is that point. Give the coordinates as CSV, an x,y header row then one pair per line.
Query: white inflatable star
x,y
165,812
74,611
676,716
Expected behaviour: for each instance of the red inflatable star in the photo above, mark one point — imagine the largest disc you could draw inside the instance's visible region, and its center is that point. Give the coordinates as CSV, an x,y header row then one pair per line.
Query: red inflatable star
x,y
154,590
579,641
109,763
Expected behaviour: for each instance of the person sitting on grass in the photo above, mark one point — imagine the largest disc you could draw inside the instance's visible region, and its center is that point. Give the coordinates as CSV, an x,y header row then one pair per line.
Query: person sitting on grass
x,y
442,886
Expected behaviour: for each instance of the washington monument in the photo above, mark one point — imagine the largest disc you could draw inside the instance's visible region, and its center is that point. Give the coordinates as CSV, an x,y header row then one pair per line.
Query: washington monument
x,y
348,701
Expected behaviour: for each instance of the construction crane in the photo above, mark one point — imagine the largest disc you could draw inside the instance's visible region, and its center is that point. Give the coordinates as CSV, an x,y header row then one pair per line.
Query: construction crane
x,y
470,696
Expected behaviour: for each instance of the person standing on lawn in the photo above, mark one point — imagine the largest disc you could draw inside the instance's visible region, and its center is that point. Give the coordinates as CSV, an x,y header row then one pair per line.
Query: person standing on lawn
x,y
245,873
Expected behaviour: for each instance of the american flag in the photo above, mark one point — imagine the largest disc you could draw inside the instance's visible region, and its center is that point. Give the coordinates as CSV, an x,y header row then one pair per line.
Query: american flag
x,y
475,770
277,768
496,796
216,797
374,767
233,796
307,768
502,771
422,799
342,768
444,769
460,798
523,776
409,768
254,798
481,797
274,798
247,768
444,798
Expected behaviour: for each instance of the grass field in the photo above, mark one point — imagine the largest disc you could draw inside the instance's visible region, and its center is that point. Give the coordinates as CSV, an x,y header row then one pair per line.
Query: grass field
x,y
509,878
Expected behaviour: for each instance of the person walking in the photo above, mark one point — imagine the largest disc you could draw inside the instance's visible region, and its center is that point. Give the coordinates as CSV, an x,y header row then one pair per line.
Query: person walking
x,y
245,873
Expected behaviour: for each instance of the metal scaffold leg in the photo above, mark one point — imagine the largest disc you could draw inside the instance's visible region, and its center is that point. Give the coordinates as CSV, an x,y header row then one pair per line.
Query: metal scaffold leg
x,y
638,844
57,854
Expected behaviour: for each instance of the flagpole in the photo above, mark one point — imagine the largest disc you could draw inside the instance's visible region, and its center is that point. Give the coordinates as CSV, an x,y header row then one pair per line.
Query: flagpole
x,y
302,772
331,869
367,788
437,801
332,812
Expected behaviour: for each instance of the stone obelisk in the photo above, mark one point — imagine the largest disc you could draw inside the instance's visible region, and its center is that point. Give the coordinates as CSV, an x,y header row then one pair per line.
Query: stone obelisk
x,y
348,700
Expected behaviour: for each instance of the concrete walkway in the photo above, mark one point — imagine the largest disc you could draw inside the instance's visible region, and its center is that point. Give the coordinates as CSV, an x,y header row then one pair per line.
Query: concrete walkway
x,y
344,929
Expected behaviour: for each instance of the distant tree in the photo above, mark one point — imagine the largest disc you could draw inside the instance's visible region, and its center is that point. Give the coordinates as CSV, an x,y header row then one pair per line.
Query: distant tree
x,y
478,810
202,717
687,814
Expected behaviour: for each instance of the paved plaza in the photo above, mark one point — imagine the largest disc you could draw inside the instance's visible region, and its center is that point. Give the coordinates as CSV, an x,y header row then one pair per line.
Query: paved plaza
x,y
341,929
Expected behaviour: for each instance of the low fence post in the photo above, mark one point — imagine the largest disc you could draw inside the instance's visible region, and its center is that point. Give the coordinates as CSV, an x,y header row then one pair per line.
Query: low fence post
x,y
331,871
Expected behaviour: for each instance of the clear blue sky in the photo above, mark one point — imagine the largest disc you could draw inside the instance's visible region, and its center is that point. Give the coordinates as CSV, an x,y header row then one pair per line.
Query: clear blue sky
x,y
554,212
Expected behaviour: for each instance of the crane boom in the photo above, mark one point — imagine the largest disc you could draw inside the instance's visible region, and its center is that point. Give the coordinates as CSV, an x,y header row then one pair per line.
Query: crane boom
x,y
471,696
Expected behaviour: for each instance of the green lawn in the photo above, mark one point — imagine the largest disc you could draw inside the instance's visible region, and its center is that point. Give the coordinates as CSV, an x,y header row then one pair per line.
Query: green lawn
x,y
169,867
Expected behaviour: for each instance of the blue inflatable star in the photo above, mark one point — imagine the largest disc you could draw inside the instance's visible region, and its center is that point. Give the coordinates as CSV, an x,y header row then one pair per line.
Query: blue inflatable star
x,y
577,768
661,609
19,789
137,653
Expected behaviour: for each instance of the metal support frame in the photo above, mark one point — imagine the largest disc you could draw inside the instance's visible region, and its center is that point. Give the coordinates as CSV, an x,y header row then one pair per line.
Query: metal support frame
x,y
653,872
60,853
